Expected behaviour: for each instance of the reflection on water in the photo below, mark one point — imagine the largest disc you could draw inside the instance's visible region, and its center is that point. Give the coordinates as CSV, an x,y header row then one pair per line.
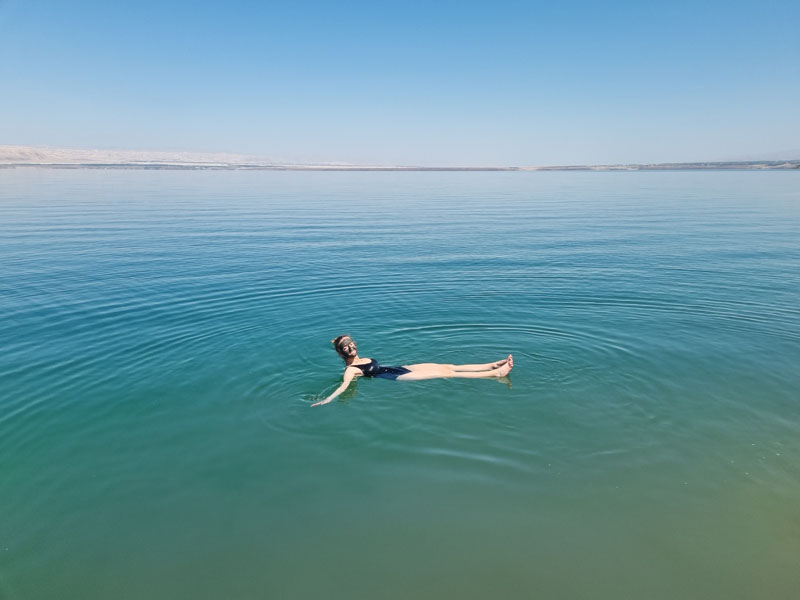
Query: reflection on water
x,y
165,333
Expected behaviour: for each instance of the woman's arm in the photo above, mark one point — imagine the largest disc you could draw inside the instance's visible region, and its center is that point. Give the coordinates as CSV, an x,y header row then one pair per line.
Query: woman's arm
x,y
349,373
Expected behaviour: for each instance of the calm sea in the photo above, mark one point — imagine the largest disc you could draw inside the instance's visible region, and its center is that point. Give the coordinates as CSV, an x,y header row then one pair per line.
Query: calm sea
x,y
163,335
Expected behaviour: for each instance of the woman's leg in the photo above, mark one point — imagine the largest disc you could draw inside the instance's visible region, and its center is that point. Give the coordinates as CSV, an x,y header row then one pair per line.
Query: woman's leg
x,y
436,371
482,367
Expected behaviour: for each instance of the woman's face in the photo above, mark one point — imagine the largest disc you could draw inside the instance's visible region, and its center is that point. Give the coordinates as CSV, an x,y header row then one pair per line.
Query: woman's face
x,y
348,347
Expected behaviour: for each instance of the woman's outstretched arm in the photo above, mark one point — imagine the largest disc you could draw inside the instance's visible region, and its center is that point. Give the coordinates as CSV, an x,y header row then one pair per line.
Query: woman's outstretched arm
x,y
349,373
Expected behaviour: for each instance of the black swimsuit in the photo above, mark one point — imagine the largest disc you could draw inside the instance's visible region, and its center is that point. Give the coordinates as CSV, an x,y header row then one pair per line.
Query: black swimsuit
x,y
374,369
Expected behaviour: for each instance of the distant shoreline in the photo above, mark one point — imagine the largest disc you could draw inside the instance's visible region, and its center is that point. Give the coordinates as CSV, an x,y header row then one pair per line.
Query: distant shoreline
x,y
73,158
199,166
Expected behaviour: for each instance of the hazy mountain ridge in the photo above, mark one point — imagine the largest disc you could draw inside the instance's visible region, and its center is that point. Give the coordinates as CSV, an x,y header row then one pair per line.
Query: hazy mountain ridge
x,y
21,156
44,155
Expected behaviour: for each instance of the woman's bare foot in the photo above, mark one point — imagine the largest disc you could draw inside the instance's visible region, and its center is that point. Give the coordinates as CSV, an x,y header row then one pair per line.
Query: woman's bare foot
x,y
506,367
500,363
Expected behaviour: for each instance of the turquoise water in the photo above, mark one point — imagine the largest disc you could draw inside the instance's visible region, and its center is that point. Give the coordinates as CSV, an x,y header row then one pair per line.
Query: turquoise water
x,y
164,334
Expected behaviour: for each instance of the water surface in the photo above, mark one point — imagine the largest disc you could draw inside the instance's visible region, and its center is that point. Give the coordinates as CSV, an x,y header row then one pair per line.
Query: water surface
x,y
164,334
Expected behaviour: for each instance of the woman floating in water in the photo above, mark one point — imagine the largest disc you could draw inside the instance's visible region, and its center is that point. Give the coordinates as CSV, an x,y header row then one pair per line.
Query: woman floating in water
x,y
369,367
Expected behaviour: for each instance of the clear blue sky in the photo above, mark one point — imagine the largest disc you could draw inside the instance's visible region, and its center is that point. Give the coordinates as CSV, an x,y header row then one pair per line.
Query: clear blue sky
x,y
449,83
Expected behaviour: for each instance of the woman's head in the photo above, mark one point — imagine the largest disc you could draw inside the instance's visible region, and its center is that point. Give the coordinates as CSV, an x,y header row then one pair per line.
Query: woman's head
x,y
345,346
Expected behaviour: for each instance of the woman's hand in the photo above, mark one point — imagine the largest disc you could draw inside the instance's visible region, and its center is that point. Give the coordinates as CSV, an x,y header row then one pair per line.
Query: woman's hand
x,y
349,373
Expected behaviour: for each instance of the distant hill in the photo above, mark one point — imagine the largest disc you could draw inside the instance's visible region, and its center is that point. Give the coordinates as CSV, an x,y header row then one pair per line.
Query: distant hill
x,y
32,156
717,166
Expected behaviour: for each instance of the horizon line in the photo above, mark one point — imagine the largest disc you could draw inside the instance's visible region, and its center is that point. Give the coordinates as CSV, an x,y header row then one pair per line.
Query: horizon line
x,y
780,165
12,156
